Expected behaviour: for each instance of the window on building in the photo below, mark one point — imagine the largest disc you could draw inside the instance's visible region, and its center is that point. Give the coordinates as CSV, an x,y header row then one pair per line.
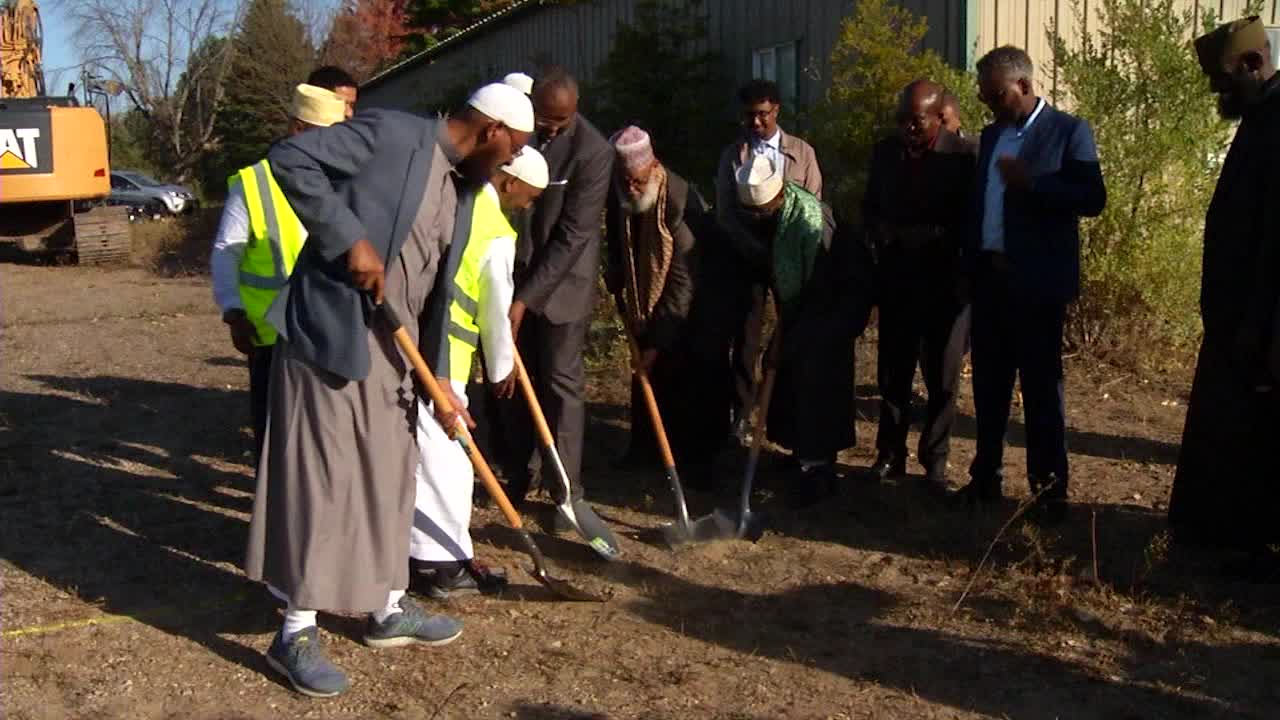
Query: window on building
x,y
778,63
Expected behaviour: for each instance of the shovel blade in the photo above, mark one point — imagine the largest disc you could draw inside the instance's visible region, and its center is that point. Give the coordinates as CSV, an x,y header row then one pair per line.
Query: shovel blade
x,y
709,528
563,589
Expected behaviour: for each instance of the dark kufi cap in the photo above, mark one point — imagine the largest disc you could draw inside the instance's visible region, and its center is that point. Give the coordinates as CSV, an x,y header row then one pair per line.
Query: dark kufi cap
x,y
1226,42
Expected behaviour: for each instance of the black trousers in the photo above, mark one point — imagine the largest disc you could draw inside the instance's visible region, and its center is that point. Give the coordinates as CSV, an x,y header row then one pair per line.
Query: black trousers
x,y
928,327
1018,336
552,354
259,382
691,382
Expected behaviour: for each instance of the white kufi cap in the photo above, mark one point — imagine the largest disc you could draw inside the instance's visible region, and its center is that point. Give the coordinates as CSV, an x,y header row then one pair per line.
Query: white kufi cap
x,y
317,106
758,181
505,104
530,167
519,81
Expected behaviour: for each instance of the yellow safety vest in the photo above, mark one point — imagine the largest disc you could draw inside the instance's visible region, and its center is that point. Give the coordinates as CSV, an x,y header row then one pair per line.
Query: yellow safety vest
x,y
488,223
275,239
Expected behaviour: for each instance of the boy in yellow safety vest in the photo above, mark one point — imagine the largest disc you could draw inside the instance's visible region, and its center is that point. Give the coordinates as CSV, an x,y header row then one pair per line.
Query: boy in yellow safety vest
x,y
259,238
478,299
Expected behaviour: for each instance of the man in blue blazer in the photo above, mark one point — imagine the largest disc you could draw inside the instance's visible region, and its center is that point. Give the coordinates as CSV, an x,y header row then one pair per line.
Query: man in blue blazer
x,y
1038,174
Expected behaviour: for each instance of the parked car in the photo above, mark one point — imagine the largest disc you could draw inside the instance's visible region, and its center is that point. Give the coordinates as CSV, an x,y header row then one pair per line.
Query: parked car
x,y
130,187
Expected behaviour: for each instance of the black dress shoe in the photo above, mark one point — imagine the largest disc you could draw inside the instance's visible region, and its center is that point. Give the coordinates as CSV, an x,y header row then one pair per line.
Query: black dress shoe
x,y
811,487
935,482
978,493
1050,511
886,467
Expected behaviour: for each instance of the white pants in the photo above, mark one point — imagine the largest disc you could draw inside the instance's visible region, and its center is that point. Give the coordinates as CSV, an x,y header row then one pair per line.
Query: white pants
x,y
442,508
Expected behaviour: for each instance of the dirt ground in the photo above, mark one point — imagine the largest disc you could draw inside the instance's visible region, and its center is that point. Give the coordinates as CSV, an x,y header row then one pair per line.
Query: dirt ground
x,y
124,497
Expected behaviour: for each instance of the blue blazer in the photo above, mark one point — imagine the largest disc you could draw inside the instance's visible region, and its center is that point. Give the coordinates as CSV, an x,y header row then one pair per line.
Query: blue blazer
x,y
361,179
1042,223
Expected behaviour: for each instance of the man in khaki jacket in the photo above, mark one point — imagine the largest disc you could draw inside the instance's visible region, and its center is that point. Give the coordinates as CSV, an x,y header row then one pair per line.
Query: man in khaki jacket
x,y
761,105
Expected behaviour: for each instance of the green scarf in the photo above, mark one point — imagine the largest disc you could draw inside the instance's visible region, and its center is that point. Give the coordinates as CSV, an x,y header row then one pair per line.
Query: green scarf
x,y
801,227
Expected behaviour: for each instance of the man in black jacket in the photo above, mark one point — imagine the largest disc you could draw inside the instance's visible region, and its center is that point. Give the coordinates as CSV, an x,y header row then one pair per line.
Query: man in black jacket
x,y
914,209
557,267
654,218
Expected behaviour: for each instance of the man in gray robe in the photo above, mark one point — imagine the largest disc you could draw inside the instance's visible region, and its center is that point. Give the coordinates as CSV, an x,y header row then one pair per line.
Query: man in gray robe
x,y
335,495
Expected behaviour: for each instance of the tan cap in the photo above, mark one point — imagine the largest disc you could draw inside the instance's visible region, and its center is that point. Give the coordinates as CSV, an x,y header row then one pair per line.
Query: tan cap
x,y
317,106
759,182
1220,47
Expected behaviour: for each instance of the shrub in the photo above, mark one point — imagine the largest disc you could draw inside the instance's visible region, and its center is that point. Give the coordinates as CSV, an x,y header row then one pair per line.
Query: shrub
x,y
877,54
1135,78
660,76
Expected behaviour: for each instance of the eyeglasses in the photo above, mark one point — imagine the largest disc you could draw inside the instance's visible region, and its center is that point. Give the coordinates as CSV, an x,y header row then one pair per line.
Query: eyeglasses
x,y
761,115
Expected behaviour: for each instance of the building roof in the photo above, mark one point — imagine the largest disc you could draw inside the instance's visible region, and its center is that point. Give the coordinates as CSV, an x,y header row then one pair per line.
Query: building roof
x,y
458,39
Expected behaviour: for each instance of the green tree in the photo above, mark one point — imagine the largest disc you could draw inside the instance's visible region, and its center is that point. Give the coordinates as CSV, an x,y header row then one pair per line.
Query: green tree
x,y
1135,78
877,54
660,76
273,53
437,20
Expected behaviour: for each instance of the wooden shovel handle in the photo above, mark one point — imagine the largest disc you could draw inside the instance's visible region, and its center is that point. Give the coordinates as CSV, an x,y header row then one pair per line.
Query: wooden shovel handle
x,y
531,399
646,389
437,395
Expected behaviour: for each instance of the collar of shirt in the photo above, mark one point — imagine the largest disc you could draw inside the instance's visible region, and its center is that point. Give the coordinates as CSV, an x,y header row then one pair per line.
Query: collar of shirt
x,y
1022,130
774,142
446,143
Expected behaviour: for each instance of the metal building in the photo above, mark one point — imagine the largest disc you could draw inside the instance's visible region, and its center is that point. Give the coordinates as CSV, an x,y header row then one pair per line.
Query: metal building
x,y
789,41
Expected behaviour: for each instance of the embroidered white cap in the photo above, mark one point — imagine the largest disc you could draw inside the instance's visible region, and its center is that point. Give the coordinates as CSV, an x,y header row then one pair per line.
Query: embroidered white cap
x,y
634,147
529,166
519,81
505,104
759,181
317,106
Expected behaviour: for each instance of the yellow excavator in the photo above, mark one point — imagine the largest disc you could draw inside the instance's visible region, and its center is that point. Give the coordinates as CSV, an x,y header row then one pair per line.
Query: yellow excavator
x,y
54,171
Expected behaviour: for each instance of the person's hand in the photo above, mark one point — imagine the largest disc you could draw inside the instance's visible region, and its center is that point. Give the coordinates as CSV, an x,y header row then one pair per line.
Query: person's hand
x,y
243,334
1015,173
506,389
645,361
367,271
449,420
516,316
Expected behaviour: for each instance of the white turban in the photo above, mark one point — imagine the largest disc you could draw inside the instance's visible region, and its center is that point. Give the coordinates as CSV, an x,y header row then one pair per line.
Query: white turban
x,y
519,81
505,104
758,181
317,106
529,166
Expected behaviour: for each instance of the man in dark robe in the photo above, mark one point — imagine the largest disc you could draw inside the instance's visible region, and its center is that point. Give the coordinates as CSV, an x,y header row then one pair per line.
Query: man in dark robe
x,y
915,211
792,248
655,272
1228,479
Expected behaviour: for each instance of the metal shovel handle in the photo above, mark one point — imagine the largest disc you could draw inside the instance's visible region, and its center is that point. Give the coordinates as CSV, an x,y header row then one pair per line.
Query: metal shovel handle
x,y
757,442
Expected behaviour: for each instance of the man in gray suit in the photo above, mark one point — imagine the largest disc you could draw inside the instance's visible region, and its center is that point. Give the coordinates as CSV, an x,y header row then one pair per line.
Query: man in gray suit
x,y
557,266
335,494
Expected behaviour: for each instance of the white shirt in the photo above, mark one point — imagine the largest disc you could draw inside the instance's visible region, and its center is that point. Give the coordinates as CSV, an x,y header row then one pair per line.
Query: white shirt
x,y
228,249
771,148
496,290
1008,144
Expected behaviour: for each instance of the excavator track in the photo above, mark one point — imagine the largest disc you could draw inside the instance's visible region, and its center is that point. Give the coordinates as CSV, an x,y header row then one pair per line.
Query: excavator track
x,y
103,236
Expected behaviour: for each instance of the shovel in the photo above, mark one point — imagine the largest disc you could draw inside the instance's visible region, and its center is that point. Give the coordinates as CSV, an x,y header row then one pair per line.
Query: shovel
x,y
463,437
588,524
748,525
682,532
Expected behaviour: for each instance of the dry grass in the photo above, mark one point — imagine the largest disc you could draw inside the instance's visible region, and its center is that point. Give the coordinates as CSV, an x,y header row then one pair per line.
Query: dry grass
x,y
176,247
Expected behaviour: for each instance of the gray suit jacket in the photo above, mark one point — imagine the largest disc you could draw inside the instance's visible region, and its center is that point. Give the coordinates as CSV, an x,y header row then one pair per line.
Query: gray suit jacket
x,y
558,255
360,179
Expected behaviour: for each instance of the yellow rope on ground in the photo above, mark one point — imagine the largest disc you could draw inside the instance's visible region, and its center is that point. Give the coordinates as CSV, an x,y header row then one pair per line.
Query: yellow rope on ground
x,y
68,625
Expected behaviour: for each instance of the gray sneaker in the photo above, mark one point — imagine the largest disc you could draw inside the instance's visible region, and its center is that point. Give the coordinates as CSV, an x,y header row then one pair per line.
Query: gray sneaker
x,y
412,625
302,660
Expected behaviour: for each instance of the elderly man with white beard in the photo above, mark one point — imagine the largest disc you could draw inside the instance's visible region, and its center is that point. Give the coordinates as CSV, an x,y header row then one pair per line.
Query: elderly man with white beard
x,y
654,221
